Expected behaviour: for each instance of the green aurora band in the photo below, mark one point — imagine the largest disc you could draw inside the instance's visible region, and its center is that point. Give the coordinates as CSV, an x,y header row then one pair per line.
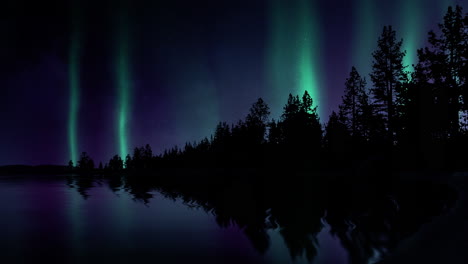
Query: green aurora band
x,y
278,55
365,35
309,54
123,84
294,52
73,210
411,29
74,84
412,32
74,80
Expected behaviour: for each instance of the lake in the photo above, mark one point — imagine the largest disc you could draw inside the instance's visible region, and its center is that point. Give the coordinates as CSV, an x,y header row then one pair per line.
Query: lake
x,y
78,219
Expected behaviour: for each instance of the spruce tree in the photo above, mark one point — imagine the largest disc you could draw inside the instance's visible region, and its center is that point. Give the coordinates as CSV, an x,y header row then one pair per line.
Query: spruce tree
x,y
445,64
256,122
354,104
388,74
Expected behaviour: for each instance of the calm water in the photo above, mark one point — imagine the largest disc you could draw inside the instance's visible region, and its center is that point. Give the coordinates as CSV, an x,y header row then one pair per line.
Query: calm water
x,y
82,220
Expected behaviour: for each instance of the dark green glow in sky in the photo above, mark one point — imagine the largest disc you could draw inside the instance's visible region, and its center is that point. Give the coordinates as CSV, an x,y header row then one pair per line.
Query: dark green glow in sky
x,y
280,55
294,49
195,110
74,84
309,54
123,86
412,31
365,34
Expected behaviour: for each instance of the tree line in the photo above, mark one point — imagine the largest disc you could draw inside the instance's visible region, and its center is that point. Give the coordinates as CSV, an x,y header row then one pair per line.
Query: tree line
x,y
402,119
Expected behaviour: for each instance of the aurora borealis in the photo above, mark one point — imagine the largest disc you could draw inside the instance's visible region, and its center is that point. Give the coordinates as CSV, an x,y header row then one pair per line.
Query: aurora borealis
x,y
294,53
123,84
74,83
412,40
309,55
115,76
362,45
74,74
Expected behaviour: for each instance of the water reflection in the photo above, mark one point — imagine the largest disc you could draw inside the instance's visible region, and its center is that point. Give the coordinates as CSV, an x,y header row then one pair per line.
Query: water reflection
x,y
369,218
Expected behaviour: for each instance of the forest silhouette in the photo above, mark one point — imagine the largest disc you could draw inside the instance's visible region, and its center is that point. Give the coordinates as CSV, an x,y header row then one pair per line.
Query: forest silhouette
x,y
404,120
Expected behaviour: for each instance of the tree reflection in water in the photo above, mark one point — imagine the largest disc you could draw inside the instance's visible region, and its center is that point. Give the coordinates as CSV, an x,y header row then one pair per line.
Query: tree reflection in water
x,y
369,217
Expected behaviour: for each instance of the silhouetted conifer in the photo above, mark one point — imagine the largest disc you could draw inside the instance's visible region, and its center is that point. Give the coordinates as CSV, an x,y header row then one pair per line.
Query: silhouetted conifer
x,y
355,106
147,157
116,163
337,139
300,129
445,67
70,165
85,163
256,122
388,74
128,162
274,133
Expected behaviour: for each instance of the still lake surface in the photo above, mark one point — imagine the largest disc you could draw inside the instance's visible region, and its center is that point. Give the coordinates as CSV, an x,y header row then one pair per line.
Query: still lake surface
x,y
61,219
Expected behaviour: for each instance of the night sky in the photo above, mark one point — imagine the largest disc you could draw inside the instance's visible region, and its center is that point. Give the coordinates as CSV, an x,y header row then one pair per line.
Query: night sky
x,y
107,76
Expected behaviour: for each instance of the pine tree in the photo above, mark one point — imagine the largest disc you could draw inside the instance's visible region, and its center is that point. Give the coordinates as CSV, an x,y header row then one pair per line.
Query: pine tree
x,y
147,156
291,108
128,162
312,130
70,165
354,105
388,74
256,122
274,133
116,163
85,163
336,136
446,65
300,128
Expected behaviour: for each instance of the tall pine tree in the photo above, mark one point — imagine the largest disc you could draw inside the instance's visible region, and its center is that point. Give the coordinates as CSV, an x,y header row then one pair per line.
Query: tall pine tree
x,y
388,74
445,64
354,104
